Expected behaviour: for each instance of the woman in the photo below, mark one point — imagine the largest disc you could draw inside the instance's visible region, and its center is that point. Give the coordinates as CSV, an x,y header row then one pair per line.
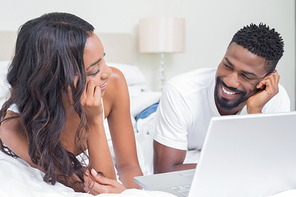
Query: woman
x,y
61,90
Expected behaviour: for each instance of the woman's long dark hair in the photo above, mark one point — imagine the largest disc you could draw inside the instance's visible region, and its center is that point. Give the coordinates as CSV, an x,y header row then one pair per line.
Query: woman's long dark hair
x,y
48,55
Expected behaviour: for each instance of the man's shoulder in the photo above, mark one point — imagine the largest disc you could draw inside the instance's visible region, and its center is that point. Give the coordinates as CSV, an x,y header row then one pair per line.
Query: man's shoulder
x,y
193,80
201,72
280,102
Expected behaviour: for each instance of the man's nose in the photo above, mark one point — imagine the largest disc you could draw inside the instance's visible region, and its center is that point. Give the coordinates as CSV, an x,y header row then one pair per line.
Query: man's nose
x,y
232,80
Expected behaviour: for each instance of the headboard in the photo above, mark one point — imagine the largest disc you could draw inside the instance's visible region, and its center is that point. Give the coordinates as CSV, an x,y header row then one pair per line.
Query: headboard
x,y
7,44
118,47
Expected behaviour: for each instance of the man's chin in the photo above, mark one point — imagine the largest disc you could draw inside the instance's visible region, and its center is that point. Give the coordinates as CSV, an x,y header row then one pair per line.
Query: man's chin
x,y
227,104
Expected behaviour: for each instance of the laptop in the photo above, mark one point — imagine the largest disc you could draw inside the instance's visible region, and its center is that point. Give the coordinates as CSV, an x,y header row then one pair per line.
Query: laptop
x,y
245,155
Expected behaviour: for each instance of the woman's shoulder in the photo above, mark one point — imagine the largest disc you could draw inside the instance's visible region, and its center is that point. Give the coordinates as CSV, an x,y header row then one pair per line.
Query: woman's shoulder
x,y
117,75
116,92
10,123
116,83
10,127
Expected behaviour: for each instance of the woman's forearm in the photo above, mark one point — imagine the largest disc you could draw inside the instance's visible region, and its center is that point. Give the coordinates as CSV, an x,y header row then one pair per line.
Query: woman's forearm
x,y
99,153
127,174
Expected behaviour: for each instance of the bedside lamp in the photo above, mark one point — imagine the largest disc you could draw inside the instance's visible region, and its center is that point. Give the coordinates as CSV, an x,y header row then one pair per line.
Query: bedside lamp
x,y
162,35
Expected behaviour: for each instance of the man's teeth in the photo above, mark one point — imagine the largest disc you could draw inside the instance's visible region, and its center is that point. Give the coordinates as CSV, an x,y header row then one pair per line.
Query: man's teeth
x,y
103,84
227,92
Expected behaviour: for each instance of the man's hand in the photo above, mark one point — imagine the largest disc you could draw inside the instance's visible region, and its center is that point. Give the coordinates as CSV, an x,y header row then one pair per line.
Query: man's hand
x,y
102,184
268,88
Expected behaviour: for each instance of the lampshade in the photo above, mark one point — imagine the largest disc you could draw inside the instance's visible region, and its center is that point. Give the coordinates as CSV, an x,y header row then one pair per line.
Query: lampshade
x,y
162,35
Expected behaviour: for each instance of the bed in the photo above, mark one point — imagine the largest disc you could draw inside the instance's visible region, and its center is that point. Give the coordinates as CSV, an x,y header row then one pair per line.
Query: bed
x,y
18,179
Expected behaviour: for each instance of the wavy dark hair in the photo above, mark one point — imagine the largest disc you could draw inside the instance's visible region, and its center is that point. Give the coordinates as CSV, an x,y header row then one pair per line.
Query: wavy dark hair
x,y
48,54
262,41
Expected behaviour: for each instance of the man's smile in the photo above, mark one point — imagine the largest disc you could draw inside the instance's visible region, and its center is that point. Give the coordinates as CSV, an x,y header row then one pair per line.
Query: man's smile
x,y
227,92
228,97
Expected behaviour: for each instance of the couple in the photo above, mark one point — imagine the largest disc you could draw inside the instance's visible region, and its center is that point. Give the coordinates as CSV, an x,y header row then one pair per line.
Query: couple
x,y
62,90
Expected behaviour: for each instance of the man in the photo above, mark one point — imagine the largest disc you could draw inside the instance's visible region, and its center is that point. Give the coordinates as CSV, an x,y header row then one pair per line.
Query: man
x,y
245,82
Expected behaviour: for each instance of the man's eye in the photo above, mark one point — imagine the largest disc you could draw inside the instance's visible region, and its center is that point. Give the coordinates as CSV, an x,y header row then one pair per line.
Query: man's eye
x,y
246,77
228,67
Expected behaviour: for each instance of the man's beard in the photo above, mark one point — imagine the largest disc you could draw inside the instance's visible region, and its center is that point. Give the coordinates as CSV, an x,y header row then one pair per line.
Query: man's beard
x,y
226,103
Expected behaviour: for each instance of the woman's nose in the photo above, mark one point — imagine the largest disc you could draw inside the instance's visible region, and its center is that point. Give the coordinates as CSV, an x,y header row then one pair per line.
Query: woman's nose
x,y
106,72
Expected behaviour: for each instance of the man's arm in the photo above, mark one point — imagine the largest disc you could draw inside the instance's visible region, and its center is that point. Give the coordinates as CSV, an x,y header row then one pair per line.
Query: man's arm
x,y
170,138
168,159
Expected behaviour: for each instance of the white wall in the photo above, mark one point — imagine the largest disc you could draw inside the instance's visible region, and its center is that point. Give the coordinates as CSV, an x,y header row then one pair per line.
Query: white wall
x,y
209,27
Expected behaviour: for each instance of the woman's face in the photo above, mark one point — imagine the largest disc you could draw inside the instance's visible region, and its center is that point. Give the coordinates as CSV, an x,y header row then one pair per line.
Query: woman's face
x,y
96,68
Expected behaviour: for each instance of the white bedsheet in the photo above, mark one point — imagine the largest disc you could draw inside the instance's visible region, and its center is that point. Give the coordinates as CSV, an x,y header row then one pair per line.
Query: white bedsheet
x,y
289,193
19,179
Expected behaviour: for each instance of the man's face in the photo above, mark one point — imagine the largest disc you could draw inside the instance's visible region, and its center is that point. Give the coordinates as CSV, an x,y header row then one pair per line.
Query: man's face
x,y
237,76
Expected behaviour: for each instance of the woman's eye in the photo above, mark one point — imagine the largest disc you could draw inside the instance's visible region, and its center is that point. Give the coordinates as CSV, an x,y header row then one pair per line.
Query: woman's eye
x,y
95,72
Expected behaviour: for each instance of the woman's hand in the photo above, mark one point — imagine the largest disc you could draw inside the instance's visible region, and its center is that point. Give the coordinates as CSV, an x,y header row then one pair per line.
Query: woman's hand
x,y
91,101
101,184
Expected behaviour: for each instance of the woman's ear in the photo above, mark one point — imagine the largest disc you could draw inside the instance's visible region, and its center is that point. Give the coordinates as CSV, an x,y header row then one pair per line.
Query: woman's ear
x,y
76,80
70,97
69,91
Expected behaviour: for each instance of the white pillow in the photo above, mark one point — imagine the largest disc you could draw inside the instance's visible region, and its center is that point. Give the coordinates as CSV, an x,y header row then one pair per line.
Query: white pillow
x,y
4,66
132,74
4,86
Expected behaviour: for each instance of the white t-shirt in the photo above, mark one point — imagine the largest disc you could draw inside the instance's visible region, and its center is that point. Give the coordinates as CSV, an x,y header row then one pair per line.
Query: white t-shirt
x,y
187,105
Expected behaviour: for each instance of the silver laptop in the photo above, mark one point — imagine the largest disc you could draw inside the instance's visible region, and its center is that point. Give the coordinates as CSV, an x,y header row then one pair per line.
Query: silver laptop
x,y
245,155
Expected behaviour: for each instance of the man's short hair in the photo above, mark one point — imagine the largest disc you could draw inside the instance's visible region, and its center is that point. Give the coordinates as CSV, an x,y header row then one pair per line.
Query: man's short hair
x,y
262,41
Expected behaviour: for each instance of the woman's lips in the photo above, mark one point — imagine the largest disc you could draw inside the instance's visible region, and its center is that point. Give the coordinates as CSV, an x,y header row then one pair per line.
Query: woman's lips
x,y
104,86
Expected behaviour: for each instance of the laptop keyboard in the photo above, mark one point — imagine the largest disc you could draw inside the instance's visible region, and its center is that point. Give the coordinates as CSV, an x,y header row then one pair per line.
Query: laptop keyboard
x,y
183,189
